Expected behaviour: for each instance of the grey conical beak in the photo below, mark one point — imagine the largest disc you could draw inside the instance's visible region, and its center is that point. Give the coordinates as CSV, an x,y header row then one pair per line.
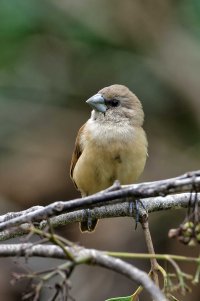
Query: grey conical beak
x,y
97,102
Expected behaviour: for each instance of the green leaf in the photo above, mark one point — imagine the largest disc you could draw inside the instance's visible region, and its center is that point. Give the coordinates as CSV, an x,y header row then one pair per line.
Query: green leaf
x,y
129,298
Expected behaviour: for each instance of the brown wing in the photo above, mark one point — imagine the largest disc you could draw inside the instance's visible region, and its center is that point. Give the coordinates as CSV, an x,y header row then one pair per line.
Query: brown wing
x,y
76,154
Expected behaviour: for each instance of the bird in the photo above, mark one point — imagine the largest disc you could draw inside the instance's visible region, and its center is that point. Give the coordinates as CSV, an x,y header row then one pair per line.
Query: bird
x,y
112,145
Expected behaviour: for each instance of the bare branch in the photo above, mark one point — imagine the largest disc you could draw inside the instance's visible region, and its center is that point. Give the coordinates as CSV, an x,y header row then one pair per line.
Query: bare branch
x,y
11,215
176,201
115,201
85,256
144,190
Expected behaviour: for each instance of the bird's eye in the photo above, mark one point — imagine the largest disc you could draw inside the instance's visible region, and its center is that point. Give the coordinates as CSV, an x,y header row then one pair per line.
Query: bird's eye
x,y
114,103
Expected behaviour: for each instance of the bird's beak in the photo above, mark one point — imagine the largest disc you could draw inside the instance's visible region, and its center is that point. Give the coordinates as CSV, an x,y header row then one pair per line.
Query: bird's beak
x,y
97,102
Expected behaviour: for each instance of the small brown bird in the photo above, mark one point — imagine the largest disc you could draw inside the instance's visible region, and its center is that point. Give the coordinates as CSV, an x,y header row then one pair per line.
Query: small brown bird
x,y
111,145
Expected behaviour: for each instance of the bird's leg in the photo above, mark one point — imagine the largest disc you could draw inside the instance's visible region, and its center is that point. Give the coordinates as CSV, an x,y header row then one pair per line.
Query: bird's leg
x,y
89,224
134,204
89,219
155,267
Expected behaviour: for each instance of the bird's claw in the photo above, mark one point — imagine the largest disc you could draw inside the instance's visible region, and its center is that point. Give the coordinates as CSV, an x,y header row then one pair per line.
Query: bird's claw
x,y
135,205
89,219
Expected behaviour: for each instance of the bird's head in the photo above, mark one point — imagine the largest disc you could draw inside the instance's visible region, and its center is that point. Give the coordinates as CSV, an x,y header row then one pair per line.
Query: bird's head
x,y
117,103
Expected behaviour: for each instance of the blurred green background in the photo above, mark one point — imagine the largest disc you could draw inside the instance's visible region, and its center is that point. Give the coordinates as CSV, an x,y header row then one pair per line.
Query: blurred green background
x,y
56,54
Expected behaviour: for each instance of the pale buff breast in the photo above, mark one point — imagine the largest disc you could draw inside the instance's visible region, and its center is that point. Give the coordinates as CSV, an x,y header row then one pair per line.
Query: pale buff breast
x,y
110,154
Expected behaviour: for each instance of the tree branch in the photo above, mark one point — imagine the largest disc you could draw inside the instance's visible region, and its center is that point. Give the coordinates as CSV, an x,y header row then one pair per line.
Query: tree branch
x,y
115,201
176,201
85,256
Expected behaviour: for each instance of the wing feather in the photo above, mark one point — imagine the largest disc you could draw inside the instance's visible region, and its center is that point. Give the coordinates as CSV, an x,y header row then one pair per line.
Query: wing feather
x,y
76,153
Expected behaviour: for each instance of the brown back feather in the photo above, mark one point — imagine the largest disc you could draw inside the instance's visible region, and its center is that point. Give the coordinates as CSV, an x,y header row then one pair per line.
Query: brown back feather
x,y
76,153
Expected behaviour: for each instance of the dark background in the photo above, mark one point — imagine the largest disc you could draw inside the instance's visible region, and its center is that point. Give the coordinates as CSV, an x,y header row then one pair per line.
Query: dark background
x,y
56,54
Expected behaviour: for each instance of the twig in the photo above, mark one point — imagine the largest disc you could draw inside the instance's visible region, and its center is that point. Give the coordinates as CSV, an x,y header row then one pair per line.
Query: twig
x,y
157,256
150,247
86,256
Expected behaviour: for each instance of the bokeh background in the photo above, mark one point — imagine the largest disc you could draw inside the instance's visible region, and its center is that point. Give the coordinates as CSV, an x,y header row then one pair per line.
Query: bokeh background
x,y
56,54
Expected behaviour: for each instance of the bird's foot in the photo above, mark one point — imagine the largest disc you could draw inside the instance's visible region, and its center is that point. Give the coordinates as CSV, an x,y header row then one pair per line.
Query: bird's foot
x,y
90,224
136,209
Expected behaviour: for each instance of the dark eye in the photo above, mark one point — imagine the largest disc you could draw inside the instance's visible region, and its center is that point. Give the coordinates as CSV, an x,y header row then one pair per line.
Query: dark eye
x,y
114,103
